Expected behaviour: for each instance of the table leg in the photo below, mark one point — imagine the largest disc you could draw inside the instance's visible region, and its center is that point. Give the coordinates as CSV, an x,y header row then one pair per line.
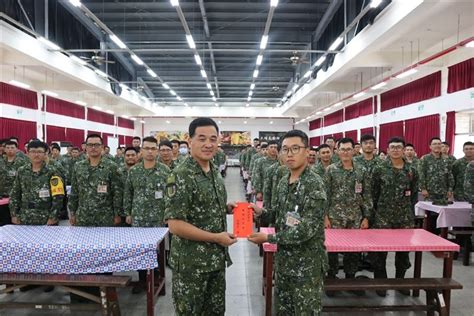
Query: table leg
x,y
417,270
448,273
150,292
426,222
264,279
161,267
444,232
268,283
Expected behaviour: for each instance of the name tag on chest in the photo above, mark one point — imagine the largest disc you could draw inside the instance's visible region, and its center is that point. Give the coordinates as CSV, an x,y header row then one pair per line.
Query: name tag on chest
x,y
158,195
44,193
12,173
102,188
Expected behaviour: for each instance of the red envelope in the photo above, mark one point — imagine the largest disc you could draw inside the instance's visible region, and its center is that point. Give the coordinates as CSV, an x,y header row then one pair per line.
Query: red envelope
x,y
243,220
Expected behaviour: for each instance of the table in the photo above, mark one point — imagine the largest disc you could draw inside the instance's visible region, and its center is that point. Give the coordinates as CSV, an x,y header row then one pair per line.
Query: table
x,y
372,240
457,214
4,201
85,250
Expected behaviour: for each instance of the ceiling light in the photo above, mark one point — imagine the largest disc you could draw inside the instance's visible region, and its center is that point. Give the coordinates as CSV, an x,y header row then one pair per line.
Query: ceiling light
x,y
252,86
80,103
168,122
185,104
179,98
76,3
211,92
245,122
288,94
406,73
470,44
133,119
263,43
216,104
19,84
250,93
259,60
307,74
336,43
142,121
136,59
358,95
208,85
319,112
271,122
50,93
283,99
172,92
198,60
255,73
320,61
101,73
337,104
110,111
151,73
123,86
219,122
117,41
379,85
203,73
174,3
190,40
98,108
247,105
249,98
326,109
78,60
273,3
165,86
295,88
48,43
214,99
375,3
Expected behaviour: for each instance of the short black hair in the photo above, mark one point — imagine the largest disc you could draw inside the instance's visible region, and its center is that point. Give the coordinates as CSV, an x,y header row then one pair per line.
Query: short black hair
x,y
75,148
410,145
468,143
183,142
263,146
356,144
174,141
367,137
106,147
10,142
15,138
446,143
94,136
330,137
256,139
345,140
166,143
38,144
200,122
136,137
434,138
396,140
382,152
55,146
150,139
313,148
322,146
296,133
273,142
130,148
3,141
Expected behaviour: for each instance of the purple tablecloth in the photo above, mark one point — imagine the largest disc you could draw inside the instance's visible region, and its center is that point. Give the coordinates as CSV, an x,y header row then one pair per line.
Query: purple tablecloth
x,y
457,214
78,250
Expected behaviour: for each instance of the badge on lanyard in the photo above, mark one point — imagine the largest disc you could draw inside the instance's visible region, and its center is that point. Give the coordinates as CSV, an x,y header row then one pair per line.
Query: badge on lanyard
x,y
44,193
12,173
292,219
102,188
158,195
358,187
407,193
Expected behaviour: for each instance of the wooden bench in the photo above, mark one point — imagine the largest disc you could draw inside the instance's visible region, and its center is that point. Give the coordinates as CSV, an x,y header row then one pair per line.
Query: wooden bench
x,y
464,237
107,302
433,286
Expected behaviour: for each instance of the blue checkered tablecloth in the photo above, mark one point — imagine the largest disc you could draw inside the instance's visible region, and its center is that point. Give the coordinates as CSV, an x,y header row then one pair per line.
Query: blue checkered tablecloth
x,y
78,250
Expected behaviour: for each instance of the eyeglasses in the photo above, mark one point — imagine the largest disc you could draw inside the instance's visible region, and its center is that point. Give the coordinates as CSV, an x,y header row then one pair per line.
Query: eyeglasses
x,y
93,145
396,147
165,150
36,152
345,150
150,148
294,149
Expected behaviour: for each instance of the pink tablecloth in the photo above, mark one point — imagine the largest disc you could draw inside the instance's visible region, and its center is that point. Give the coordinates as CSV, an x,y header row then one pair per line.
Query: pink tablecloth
x,y
268,247
457,214
4,201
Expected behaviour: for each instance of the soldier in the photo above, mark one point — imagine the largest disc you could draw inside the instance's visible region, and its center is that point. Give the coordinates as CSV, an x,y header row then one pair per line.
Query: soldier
x,y
220,160
313,153
459,170
445,152
137,143
348,206
166,154
261,165
119,156
68,163
331,142
175,148
272,176
12,163
301,258
19,153
469,183
130,160
38,191
2,148
55,152
183,150
196,216
96,190
106,154
55,161
410,155
322,165
260,154
357,149
436,178
368,160
395,192
252,151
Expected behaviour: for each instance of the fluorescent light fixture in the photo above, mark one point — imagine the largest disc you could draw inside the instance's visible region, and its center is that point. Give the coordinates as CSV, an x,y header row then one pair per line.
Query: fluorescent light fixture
x,y
110,111
179,98
288,94
336,43
320,61
142,121
76,3
247,105
252,86
175,3
136,59
214,99
337,104
319,112
185,104
48,43
358,95
50,93
250,93
379,85
470,44
216,104
255,73
407,73
80,103
211,92
168,122
100,73
295,88
190,40
327,109
259,60
151,73
245,122
208,85
263,43
271,122
375,3
98,108
203,73
172,92
307,74
78,60
219,122
198,60
125,116
19,84
273,3
133,119
249,98
117,41
164,85
124,86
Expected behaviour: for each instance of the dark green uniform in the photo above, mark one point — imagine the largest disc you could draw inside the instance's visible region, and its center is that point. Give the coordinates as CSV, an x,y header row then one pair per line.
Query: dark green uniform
x,y
10,169
459,170
469,183
258,176
436,178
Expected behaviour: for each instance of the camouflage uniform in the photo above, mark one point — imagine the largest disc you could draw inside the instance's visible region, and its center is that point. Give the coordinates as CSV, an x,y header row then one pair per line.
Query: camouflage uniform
x,y
109,157
459,170
36,196
199,199
219,158
395,195
252,161
469,183
367,165
248,156
172,165
96,193
59,167
301,259
3,174
258,177
144,195
319,169
348,202
436,178
10,170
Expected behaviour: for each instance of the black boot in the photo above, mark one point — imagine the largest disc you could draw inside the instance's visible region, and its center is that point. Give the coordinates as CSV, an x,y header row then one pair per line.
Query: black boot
x,y
400,274
380,274
355,292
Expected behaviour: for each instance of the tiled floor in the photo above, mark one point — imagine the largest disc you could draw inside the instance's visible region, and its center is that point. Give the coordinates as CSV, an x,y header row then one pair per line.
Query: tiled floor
x,y
244,283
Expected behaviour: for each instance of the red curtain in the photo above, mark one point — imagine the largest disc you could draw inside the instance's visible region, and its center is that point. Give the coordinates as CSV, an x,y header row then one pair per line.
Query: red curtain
x,y
388,131
367,131
100,117
422,89
351,134
315,141
460,76
66,108
126,123
334,118
451,129
105,136
75,136
359,109
338,135
420,130
24,130
315,124
325,137
55,133
128,140
17,96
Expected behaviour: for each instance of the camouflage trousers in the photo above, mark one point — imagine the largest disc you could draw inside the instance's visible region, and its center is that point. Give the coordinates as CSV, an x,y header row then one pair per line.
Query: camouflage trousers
x,y
33,217
199,294
350,259
299,297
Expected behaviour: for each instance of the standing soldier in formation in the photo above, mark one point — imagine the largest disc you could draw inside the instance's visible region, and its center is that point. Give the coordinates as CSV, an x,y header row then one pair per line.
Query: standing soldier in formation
x,y
445,146
196,215
261,166
459,170
175,150
469,183
272,177
313,156
348,206
11,164
250,152
220,160
325,155
436,178
166,154
410,155
130,157
301,258
96,189
368,160
183,150
395,190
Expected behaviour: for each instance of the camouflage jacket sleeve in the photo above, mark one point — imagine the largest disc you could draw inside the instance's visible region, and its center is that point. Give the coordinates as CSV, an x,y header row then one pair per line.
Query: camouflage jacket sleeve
x,y
422,174
178,201
267,187
450,178
117,190
257,179
73,198
327,181
375,189
128,196
414,186
367,201
15,197
469,183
